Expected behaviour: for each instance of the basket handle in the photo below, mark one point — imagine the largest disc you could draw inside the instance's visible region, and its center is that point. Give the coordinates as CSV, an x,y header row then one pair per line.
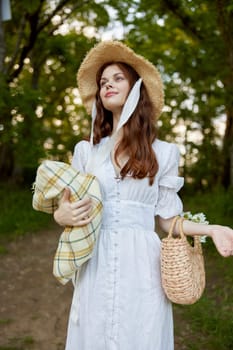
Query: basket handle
x,y
174,221
181,220
170,233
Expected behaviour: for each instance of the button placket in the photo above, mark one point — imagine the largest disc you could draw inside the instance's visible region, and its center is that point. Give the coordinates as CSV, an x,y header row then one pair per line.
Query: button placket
x,y
115,267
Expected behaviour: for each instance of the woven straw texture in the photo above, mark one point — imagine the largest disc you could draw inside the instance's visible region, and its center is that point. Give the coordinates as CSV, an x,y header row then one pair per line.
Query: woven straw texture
x,y
76,244
182,267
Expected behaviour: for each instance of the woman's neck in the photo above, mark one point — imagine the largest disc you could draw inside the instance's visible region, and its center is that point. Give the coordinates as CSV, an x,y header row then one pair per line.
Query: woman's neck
x,y
116,118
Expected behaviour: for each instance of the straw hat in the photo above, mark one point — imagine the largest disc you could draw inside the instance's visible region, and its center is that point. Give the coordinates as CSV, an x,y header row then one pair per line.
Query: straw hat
x,y
110,51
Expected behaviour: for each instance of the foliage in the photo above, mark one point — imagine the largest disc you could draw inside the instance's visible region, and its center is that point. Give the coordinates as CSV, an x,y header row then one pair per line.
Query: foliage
x,y
217,205
43,45
191,43
41,113
17,217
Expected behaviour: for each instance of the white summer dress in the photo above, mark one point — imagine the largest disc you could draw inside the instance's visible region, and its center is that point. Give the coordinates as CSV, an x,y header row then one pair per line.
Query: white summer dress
x,y
118,301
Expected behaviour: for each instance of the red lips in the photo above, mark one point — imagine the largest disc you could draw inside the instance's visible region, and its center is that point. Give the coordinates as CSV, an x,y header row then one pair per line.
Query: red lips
x,y
110,93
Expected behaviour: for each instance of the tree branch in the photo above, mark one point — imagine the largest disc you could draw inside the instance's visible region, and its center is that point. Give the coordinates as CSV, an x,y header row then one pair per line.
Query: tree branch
x,y
44,24
175,8
35,30
18,42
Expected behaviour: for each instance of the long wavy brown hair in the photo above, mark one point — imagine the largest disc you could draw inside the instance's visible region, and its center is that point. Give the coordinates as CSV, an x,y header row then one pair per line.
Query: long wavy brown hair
x,y
138,133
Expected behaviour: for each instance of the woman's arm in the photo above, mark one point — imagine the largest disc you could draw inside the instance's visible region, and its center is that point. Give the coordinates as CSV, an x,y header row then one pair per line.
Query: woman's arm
x,y
222,236
73,214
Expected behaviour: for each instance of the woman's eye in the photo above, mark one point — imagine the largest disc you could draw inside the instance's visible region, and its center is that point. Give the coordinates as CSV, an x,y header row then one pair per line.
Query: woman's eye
x,y
119,78
102,83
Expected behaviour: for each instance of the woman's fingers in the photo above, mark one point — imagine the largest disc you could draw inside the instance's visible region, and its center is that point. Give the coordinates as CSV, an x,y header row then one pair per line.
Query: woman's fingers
x,y
80,218
223,239
81,212
73,214
86,201
84,222
66,195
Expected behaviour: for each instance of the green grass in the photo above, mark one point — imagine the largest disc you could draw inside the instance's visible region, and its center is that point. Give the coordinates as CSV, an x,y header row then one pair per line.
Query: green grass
x,y
208,324
10,348
5,321
24,343
17,217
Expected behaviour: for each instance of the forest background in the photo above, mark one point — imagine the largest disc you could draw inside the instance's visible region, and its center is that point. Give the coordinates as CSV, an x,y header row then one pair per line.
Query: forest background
x,y
41,115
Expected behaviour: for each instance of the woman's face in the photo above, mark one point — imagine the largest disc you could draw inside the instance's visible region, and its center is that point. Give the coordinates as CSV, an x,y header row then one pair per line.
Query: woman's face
x,y
114,88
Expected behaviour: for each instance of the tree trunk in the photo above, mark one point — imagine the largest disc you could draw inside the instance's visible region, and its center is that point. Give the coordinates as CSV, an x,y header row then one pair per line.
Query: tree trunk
x,y
227,174
2,42
225,20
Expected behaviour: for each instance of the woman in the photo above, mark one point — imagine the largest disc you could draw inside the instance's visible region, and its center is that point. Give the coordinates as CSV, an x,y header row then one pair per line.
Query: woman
x,y
118,301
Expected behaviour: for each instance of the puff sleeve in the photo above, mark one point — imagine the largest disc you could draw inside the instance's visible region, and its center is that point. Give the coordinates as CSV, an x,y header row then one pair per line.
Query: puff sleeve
x,y
80,156
169,183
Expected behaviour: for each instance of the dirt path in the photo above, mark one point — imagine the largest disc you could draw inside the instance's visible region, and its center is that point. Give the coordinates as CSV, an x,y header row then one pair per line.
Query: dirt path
x,y
34,307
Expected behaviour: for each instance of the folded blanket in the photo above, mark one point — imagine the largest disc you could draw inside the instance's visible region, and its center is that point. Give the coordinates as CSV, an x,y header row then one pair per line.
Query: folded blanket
x,y
76,244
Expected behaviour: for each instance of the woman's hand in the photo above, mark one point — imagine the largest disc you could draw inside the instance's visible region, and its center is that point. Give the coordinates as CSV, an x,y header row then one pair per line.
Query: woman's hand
x,y
222,237
73,214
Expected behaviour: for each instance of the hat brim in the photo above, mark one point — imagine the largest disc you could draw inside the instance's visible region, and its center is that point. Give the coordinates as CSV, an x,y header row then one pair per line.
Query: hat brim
x,y
115,51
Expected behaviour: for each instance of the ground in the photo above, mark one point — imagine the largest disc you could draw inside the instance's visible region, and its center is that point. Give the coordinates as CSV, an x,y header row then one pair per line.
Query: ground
x,y
34,306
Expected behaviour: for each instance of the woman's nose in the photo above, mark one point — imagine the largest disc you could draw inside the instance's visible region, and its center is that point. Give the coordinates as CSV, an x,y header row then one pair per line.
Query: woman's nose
x,y
109,85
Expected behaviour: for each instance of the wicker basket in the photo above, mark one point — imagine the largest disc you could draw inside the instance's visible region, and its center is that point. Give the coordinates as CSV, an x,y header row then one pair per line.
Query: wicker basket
x,y
182,267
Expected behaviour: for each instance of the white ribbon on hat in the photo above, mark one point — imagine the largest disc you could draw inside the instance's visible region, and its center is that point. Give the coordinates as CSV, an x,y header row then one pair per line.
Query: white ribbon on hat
x,y
101,152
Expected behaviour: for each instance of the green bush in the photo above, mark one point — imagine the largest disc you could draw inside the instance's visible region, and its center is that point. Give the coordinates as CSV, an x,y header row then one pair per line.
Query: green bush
x,y
216,205
17,217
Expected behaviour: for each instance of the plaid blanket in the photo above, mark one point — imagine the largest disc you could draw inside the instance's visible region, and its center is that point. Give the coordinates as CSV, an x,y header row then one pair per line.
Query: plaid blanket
x,y
76,244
